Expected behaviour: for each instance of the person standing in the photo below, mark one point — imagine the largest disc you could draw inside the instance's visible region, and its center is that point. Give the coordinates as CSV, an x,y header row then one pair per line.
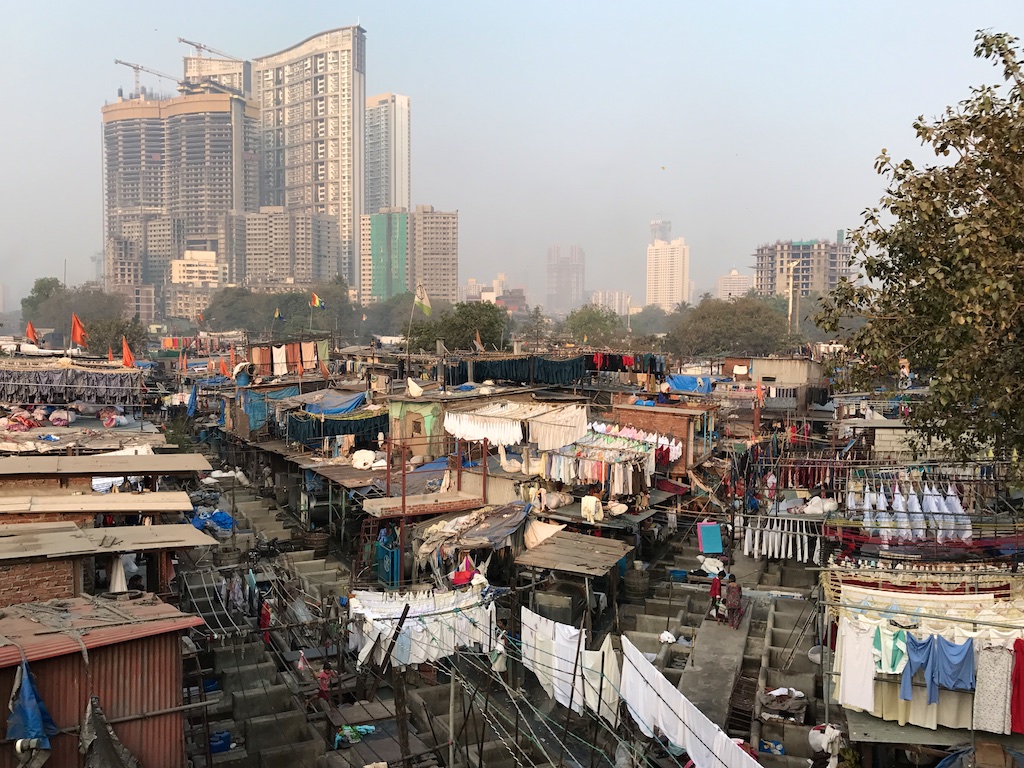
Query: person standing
x,y
734,601
716,596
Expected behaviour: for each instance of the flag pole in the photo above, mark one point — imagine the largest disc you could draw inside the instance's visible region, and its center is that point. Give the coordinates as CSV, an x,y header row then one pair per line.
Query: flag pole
x,y
311,315
408,336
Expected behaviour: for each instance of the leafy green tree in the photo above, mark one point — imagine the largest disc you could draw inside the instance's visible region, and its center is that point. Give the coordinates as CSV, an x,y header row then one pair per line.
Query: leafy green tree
x,y
533,328
942,256
458,327
650,320
105,334
42,289
600,325
90,304
743,326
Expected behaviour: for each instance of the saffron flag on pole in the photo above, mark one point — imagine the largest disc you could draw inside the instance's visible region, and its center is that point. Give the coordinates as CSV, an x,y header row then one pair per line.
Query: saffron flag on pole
x,y
477,343
110,354
224,369
422,300
317,302
233,363
323,371
298,367
31,335
127,358
78,334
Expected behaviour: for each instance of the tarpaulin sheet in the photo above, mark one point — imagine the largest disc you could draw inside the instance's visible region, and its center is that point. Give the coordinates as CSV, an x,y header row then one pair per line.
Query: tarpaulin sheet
x,y
485,528
680,383
255,404
333,403
311,430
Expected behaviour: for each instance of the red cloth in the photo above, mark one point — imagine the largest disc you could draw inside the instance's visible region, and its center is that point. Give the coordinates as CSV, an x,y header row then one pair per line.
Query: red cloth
x,y
716,587
1017,688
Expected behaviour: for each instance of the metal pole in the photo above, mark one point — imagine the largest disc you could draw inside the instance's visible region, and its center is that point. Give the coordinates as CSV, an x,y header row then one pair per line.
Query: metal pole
x,y
451,710
572,689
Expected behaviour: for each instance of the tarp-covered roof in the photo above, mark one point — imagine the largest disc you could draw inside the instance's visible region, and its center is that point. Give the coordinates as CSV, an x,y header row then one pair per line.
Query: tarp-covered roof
x,y
484,528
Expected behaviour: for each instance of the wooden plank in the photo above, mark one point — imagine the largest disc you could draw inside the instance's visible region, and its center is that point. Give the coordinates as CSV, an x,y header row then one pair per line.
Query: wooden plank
x,y
361,713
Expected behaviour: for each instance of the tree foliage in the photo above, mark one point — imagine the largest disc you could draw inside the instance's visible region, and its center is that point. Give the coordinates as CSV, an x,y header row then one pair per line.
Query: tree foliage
x,y
242,309
90,304
743,326
650,320
458,327
105,334
42,289
595,324
942,257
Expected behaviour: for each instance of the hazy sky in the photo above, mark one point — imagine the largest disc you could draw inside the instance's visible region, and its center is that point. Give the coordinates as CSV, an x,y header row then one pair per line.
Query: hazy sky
x,y
541,122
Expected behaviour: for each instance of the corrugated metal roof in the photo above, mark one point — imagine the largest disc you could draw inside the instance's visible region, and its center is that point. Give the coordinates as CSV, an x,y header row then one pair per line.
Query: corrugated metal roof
x,y
83,466
47,629
97,503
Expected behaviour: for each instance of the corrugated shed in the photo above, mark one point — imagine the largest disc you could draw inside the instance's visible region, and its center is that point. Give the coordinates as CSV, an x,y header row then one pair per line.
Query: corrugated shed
x,y
131,679
38,628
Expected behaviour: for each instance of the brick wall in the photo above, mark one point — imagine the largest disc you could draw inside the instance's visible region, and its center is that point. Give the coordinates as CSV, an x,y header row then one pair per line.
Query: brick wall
x,y
31,582
81,519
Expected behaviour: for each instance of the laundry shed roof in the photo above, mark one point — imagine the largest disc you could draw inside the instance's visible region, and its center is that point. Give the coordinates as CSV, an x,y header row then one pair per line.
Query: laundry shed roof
x,y
53,628
85,466
576,553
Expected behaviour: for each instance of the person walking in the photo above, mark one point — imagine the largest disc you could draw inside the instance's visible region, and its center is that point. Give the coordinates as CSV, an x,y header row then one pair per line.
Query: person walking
x,y
734,601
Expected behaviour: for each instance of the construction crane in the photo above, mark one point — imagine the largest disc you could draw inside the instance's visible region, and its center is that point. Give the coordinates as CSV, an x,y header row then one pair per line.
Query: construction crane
x,y
139,68
200,47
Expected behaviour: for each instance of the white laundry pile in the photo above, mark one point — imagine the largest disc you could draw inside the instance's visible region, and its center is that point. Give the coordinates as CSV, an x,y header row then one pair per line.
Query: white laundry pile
x,y
653,702
437,623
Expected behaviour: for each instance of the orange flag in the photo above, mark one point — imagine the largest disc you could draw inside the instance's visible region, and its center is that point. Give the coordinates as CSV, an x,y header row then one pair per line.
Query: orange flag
x,y
127,358
298,367
233,363
224,369
78,334
110,354
323,370
30,333
184,362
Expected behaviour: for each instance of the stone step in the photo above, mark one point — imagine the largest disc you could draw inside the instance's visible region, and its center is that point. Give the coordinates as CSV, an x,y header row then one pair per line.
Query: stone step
x,y
309,566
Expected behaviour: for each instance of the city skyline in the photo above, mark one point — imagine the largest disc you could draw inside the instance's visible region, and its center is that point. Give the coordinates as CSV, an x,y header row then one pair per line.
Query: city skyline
x,y
569,167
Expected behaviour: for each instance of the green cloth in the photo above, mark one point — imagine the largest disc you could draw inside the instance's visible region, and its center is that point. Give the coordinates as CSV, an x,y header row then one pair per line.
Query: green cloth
x,y
323,350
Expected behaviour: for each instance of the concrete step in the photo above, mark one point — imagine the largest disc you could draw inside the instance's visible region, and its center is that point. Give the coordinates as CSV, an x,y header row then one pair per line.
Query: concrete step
x,y
304,753
277,730
249,676
264,700
242,654
299,556
309,566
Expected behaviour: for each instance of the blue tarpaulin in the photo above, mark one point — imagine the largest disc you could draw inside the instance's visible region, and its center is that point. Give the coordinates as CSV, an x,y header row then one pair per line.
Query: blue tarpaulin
x,y
255,404
29,718
333,403
680,383
192,401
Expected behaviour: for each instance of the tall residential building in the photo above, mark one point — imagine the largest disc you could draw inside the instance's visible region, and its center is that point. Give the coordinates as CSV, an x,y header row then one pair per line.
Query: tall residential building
x,y
617,301
434,251
172,169
312,98
235,74
566,273
733,285
283,249
384,255
668,273
387,153
194,278
660,230
816,265
400,250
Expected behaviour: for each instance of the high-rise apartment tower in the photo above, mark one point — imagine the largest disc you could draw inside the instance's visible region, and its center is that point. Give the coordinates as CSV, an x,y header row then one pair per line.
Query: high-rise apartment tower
x,y
566,273
668,273
387,165
813,265
312,98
